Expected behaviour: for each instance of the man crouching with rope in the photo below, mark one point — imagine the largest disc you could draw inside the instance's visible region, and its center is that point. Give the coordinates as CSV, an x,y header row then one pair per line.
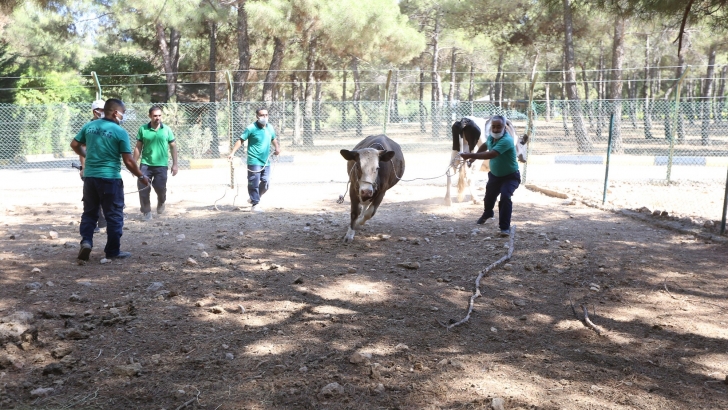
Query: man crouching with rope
x,y
101,143
503,178
260,135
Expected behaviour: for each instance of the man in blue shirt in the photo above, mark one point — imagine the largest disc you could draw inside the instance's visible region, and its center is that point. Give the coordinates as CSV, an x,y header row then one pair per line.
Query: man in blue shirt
x,y
260,135
503,178
102,143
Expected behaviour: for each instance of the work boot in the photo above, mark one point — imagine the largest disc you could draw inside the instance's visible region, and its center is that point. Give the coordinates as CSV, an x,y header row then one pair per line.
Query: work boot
x,y
147,216
85,251
483,218
160,208
121,255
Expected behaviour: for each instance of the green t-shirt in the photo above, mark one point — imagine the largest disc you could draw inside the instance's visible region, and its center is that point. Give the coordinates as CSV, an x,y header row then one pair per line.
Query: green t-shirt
x,y
505,163
259,139
155,152
105,141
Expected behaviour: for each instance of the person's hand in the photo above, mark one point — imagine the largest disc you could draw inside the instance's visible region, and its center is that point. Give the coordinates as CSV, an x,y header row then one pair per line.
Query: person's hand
x,y
175,169
145,180
465,155
80,173
231,156
277,151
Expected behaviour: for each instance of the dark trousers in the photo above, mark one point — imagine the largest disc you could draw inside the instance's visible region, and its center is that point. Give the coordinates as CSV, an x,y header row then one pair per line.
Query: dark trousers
x,y
504,186
258,177
107,194
158,176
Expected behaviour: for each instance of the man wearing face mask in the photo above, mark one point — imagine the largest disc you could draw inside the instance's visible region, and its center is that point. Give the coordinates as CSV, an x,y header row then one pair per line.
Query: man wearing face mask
x,y
102,143
260,135
97,111
154,141
503,178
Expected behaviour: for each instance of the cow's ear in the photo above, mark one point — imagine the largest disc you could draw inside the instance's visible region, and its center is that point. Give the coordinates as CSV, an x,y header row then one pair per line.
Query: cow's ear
x,y
349,155
386,156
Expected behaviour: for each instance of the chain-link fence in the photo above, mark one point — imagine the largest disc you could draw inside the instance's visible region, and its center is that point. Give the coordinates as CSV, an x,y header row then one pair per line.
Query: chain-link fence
x,y
662,158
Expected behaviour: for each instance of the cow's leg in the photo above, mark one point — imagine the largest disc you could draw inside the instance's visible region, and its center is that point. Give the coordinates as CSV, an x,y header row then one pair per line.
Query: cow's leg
x,y
454,161
371,209
355,211
362,214
463,174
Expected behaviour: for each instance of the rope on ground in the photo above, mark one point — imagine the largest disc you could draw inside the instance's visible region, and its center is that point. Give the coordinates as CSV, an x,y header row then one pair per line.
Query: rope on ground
x,y
490,267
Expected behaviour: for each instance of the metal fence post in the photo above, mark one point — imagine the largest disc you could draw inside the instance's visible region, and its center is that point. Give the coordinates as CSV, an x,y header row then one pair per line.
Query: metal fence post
x,y
98,84
677,119
725,207
386,102
530,112
229,81
609,154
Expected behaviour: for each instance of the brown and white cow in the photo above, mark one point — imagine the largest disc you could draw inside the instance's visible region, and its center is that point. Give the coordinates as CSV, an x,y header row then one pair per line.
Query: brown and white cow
x,y
468,135
374,165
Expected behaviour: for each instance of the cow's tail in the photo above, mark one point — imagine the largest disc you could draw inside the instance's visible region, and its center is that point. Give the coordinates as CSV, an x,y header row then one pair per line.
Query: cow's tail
x,y
462,183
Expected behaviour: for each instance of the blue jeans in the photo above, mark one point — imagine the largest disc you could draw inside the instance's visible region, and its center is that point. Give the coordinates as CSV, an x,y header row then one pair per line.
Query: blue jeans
x,y
107,194
258,177
504,186
158,177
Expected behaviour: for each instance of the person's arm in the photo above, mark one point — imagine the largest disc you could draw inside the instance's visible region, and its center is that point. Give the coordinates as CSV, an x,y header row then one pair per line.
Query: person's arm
x,y
237,145
277,147
173,148
83,163
131,165
480,155
138,150
78,148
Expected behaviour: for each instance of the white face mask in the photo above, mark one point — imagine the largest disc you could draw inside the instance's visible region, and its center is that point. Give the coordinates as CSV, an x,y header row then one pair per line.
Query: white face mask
x,y
262,121
497,135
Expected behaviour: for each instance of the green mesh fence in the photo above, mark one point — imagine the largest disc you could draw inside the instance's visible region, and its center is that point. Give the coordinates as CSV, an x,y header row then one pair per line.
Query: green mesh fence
x,y
659,160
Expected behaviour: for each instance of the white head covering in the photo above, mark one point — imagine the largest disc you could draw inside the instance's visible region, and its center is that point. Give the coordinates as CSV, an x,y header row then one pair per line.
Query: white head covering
x,y
98,104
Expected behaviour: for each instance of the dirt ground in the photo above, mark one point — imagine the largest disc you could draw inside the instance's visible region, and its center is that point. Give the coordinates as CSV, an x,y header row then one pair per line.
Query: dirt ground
x,y
272,310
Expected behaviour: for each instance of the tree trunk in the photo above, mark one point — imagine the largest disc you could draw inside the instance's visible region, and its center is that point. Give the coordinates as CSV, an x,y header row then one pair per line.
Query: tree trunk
x,y
170,57
499,80
586,95
564,104
241,75
215,145
317,111
453,82
279,47
436,89
471,86
647,91
344,126
615,89
310,86
721,94
707,91
422,102
295,98
357,96
583,140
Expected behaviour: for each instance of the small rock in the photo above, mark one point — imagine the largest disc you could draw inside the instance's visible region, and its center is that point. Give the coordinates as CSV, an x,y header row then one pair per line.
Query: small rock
x,y
508,266
498,404
33,286
351,270
204,254
409,265
524,318
434,308
303,369
53,235
191,262
217,310
494,330
180,237
332,389
519,302
664,214
35,270
379,389
12,236
327,237
53,369
145,243
457,364
708,224
70,245
104,261
50,284
442,363
278,369
41,392
656,212
74,298
72,223
401,346
61,351
403,239
383,236
358,358
43,236
155,286
644,210
129,370
594,287
229,356
156,358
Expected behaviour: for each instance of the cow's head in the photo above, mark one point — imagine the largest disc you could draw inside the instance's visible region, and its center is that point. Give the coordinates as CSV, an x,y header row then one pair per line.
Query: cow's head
x,y
366,168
